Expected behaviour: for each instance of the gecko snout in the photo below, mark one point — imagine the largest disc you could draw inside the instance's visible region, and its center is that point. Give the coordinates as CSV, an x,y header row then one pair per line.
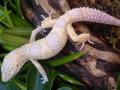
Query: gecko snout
x,y
5,69
11,65
5,78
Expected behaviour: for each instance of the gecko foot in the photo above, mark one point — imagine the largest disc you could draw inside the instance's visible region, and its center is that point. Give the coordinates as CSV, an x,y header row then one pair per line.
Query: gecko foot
x,y
83,44
42,31
46,18
39,30
89,41
44,79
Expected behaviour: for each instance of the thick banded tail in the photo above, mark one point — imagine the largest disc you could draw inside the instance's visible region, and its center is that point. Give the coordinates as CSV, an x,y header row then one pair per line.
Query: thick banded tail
x,y
92,15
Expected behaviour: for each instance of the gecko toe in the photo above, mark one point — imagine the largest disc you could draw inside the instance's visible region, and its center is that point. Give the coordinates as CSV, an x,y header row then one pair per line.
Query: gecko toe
x,y
91,42
44,80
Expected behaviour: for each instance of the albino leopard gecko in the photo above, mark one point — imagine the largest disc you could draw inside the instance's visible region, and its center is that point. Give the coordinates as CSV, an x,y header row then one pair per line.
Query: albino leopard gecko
x,y
54,42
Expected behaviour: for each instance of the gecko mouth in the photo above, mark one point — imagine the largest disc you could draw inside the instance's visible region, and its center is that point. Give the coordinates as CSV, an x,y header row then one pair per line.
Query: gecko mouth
x,y
5,77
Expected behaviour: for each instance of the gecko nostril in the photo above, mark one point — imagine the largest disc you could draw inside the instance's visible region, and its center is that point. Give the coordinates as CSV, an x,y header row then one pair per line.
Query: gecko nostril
x,y
85,61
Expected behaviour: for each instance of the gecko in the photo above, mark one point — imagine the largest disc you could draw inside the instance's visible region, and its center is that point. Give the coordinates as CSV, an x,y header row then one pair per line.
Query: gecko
x,y
54,42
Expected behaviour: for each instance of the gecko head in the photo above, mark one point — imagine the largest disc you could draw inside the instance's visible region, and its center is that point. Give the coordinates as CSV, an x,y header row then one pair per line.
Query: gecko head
x,y
11,65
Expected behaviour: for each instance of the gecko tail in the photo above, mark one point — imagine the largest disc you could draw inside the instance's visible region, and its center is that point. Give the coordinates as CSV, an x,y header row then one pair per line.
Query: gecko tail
x,y
92,15
118,22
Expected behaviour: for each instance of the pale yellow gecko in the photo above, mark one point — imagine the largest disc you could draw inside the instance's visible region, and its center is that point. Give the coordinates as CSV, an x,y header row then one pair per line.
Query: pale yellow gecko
x,y
54,42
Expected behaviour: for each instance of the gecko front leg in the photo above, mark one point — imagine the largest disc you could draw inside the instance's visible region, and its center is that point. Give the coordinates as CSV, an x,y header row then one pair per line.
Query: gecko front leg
x,y
82,38
46,23
41,70
34,61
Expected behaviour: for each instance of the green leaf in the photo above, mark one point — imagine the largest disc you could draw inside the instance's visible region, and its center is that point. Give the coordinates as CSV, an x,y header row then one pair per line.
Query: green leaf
x,y
2,13
18,7
69,79
2,55
20,84
34,79
118,83
0,66
19,31
8,15
4,17
8,47
12,40
1,28
51,76
18,22
65,88
12,4
65,59
21,75
73,87
9,19
8,86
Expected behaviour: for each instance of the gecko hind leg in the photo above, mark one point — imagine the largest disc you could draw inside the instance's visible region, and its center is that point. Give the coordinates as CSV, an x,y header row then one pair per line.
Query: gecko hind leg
x,y
82,38
41,71
48,16
48,22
